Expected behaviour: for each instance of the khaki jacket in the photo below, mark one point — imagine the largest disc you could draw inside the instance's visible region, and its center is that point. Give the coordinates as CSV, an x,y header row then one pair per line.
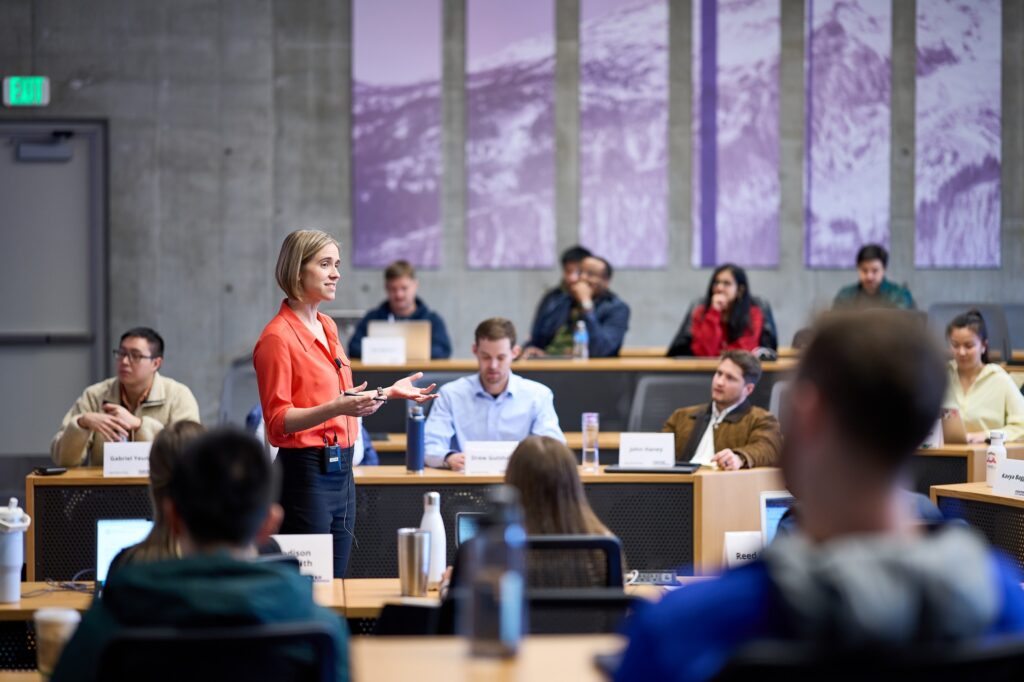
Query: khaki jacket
x,y
168,401
751,432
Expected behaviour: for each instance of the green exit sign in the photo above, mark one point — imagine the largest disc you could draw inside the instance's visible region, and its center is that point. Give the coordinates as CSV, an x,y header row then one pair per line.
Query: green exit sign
x,y
26,91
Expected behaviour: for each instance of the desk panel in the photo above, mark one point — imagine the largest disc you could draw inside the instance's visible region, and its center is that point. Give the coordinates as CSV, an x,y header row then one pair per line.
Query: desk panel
x,y
999,517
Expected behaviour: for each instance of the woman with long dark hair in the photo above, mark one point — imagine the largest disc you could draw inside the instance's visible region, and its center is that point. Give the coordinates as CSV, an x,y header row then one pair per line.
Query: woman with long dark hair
x,y
728,318
983,392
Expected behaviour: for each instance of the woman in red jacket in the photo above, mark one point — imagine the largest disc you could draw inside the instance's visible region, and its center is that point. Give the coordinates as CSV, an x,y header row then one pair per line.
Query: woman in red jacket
x,y
727,319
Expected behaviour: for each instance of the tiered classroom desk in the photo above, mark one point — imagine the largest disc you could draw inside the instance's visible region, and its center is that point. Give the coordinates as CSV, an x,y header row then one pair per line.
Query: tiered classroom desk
x,y
1000,517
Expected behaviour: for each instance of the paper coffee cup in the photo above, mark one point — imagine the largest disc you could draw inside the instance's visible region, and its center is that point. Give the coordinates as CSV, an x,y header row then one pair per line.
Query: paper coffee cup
x,y
54,628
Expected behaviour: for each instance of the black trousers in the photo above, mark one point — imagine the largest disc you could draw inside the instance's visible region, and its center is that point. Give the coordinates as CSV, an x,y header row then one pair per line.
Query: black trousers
x,y
319,503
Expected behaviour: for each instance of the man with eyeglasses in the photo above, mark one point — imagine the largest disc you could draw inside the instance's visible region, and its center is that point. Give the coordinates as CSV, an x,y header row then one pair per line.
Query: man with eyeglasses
x,y
135,405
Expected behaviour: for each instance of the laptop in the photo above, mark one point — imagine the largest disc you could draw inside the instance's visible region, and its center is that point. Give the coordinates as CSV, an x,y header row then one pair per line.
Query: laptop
x,y
953,430
774,505
466,524
113,535
415,332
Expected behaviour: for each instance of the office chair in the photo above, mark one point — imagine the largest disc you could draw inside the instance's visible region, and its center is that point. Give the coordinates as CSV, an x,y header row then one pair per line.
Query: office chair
x,y
656,397
299,652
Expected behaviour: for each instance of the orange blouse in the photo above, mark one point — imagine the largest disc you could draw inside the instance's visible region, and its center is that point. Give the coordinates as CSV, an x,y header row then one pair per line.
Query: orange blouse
x,y
293,369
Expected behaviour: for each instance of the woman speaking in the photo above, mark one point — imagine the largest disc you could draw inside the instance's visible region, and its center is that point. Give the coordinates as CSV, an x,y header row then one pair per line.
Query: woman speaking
x,y
309,402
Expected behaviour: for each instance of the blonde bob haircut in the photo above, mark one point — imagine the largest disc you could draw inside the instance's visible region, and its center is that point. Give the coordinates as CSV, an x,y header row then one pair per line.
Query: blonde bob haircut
x,y
299,248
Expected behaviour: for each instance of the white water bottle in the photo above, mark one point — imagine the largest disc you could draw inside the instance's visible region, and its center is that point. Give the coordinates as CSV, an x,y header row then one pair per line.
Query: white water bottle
x,y
994,456
13,524
438,541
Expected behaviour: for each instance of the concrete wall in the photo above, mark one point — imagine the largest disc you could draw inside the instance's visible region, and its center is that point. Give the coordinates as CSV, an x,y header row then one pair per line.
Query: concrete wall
x,y
229,125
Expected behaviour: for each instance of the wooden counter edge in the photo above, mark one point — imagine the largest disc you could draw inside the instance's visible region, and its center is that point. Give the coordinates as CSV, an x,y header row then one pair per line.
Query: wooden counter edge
x,y
961,491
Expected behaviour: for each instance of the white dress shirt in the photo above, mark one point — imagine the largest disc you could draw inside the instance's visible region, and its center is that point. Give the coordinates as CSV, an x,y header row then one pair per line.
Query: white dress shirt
x,y
705,452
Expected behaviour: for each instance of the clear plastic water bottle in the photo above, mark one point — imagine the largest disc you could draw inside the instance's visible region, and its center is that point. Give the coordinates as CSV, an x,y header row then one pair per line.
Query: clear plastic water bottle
x,y
994,456
494,605
591,430
415,426
581,341
433,522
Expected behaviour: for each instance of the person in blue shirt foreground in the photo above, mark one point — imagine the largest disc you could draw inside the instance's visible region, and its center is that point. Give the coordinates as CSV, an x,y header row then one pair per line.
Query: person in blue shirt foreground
x,y
862,574
493,404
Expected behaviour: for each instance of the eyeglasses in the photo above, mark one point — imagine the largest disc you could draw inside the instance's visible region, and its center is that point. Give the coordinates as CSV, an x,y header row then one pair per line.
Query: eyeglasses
x,y
134,356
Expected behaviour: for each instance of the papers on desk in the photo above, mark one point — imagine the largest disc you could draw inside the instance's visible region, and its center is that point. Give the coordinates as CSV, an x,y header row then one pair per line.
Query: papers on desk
x,y
649,450
125,460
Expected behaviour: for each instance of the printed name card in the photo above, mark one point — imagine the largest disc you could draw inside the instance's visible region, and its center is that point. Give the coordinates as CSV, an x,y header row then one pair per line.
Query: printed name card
x,y
488,457
742,547
314,552
1010,479
647,450
125,460
384,350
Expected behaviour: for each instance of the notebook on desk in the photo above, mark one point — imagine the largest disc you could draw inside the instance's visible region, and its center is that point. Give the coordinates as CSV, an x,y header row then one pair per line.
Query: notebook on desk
x,y
113,535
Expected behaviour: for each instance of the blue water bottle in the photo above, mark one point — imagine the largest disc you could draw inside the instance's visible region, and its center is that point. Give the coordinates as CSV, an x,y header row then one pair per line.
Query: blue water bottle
x,y
415,426
580,341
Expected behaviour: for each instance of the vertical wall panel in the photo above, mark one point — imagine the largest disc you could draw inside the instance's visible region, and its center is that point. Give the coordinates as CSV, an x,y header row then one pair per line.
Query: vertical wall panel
x,y
736,49
510,135
958,122
624,131
848,65
396,132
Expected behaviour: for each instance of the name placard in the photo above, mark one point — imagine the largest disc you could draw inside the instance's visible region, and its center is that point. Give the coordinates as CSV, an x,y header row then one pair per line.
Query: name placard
x,y
488,457
1010,478
647,450
742,547
314,552
384,350
126,460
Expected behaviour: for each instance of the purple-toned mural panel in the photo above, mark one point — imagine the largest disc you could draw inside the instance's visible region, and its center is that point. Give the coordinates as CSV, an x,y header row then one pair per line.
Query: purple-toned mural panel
x,y
510,134
736,48
624,131
396,132
958,114
848,134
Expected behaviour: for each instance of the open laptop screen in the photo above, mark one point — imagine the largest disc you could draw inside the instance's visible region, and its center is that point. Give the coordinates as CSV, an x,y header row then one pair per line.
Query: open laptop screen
x,y
113,535
774,506
465,526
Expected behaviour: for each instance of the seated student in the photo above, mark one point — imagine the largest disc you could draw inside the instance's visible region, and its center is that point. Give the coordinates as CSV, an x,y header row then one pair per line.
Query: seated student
x,y
135,405
873,290
862,572
494,404
728,432
729,318
588,299
986,396
545,472
572,259
403,304
160,544
220,505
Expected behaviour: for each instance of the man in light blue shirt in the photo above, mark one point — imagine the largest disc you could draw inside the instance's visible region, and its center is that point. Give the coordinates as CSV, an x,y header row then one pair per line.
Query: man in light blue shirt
x,y
493,404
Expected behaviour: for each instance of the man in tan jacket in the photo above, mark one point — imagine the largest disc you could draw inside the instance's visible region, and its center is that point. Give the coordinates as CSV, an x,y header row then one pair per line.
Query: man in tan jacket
x,y
133,406
728,432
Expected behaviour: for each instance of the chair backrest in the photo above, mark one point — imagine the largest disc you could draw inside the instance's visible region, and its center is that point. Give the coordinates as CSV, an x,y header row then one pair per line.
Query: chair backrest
x,y
1001,660
656,397
573,561
577,612
439,378
239,392
775,403
273,651
1015,323
941,314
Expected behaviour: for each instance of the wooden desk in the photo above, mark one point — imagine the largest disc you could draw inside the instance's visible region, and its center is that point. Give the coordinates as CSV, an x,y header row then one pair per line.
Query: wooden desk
x,y
999,517
603,385
446,659
946,465
47,598
665,521
643,352
606,440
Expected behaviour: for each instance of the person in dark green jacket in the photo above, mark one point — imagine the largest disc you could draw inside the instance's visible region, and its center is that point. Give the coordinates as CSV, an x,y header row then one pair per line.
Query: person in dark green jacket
x,y
872,289
220,506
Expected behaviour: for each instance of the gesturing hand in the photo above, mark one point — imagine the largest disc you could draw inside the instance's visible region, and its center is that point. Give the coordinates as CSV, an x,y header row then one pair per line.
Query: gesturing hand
x,y
105,425
122,416
362,405
403,389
